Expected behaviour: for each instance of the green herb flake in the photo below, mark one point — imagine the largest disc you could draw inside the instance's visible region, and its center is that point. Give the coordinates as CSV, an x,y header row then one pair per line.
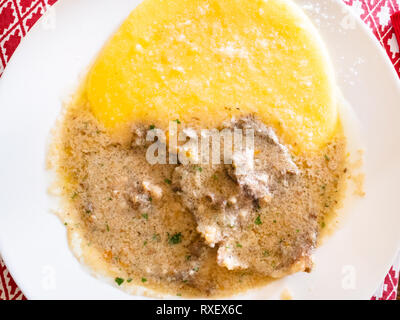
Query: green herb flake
x,y
327,158
176,238
108,227
156,237
274,221
238,245
144,280
129,280
258,221
188,257
74,195
145,216
119,281
152,127
177,121
323,225
167,181
200,169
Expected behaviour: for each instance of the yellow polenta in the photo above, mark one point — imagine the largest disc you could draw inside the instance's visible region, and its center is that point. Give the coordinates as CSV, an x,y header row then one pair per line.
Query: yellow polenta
x,y
207,60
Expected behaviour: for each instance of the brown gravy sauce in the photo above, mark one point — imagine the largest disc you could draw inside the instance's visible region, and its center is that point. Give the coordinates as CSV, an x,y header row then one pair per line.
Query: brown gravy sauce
x,y
151,241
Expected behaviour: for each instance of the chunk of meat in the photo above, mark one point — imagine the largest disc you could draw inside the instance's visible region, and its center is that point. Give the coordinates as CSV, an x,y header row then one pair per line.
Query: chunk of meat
x,y
208,193
233,204
278,247
259,168
255,184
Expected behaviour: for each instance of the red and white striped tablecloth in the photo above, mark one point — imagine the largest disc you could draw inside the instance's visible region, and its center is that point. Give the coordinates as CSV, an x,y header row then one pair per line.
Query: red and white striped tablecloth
x,y
18,16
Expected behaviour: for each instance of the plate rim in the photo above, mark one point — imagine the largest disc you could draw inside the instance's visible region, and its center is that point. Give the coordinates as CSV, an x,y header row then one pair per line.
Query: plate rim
x,y
372,38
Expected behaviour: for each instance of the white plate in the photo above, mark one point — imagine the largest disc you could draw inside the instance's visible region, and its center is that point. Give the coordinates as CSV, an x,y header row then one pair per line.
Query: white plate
x,y
47,66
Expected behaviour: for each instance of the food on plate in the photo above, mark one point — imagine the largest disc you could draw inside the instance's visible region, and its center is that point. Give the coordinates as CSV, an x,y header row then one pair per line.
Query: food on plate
x,y
183,222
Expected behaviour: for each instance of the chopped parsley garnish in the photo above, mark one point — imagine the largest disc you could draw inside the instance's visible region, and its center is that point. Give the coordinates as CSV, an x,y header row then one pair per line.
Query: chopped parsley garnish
x,y
156,237
200,169
196,269
327,157
167,181
144,280
215,177
129,280
144,243
274,221
74,195
145,216
179,295
258,221
119,281
266,253
177,121
108,228
65,224
323,225
152,127
176,238
238,245
188,257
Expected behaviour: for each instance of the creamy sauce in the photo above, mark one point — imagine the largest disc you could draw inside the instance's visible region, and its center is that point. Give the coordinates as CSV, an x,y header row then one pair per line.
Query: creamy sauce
x,y
149,236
